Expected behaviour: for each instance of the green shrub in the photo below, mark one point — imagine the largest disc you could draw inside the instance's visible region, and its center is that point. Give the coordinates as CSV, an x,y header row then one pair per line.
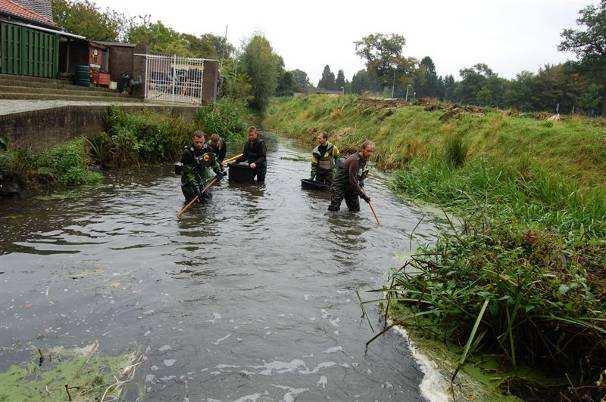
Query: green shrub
x,y
226,118
146,136
544,295
68,164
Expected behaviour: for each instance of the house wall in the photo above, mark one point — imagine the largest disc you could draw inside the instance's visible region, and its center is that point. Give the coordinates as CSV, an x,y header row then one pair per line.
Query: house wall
x,y
120,61
78,54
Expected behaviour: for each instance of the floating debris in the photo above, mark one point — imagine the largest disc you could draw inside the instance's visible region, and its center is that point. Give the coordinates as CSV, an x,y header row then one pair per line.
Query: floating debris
x,y
69,374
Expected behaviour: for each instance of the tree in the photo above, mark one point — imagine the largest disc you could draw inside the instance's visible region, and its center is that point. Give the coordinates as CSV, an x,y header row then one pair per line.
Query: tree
x,y
86,19
481,86
262,66
362,82
559,85
428,84
340,81
589,43
286,84
208,46
449,88
159,38
589,101
385,61
328,79
235,83
522,92
301,80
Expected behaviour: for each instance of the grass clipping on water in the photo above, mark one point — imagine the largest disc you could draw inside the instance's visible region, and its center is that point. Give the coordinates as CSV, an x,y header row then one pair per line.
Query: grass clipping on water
x,y
77,374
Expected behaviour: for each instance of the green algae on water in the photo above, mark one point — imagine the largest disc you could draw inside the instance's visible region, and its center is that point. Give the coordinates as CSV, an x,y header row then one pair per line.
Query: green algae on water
x,y
86,378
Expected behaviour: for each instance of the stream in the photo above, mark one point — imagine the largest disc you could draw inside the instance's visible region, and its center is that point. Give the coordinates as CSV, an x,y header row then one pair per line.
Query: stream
x,y
251,297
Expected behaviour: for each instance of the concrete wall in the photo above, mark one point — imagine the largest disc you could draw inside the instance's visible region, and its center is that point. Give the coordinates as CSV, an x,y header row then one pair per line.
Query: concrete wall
x,y
139,70
210,81
41,129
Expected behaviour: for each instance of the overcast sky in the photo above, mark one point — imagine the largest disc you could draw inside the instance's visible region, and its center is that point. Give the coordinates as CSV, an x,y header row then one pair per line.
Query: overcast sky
x,y
508,35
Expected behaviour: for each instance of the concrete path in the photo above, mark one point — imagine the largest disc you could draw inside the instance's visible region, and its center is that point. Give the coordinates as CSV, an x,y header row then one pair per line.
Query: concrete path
x,y
19,106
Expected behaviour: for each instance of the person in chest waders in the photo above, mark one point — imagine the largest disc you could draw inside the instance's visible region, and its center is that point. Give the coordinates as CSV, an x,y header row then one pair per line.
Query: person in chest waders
x,y
255,154
217,145
324,158
198,161
348,182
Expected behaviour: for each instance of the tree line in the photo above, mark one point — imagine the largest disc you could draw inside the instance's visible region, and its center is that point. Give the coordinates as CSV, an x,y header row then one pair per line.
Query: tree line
x,y
576,85
573,86
254,72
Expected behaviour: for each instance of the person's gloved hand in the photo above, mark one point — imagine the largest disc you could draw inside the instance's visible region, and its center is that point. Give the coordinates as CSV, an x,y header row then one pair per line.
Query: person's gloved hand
x,y
221,175
365,197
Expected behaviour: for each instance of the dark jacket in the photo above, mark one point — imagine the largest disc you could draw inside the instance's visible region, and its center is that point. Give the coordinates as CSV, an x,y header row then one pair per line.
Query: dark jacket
x,y
197,167
348,173
254,152
219,152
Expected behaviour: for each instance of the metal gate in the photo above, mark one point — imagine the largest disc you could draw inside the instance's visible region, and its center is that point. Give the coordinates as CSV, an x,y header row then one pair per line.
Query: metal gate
x,y
173,79
27,51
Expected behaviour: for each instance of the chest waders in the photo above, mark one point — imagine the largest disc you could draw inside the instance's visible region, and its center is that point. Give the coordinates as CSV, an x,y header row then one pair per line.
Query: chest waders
x,y
252,154
197,172
323,168
342,190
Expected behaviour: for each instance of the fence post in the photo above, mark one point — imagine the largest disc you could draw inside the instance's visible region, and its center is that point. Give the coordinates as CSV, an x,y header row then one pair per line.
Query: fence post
x,y
146,77
174,76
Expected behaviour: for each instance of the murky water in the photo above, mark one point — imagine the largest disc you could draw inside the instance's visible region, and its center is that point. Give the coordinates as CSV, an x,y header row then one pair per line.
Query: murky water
x,y
251,297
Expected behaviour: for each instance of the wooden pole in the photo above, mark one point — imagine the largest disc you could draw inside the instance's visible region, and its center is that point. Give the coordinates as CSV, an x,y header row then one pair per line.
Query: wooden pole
x,y
185,208
374,213
226,161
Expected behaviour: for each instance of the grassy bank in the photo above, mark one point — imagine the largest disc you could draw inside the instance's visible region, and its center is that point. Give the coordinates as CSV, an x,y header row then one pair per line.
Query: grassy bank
x,y
129,140
528,264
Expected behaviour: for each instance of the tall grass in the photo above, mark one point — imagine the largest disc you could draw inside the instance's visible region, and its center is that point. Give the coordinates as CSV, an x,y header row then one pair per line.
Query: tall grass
x,y
64,165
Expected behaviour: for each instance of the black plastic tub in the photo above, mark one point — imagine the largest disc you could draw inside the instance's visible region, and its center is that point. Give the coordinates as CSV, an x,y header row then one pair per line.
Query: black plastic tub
x,y
241,173
307,184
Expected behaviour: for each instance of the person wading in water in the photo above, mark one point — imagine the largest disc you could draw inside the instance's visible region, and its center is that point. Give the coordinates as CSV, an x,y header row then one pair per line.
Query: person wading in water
x,y
324,158
255,154
347,181
217,145
198,160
